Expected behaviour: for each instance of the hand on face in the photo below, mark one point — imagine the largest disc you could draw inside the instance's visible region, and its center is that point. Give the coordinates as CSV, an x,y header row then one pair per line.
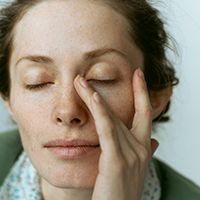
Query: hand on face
x,y
125,153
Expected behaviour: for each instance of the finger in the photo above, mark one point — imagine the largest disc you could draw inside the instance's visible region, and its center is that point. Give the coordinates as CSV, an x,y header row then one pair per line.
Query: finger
x,y
102,117
142,122
132,149
84,90
117,132
112,132
129,147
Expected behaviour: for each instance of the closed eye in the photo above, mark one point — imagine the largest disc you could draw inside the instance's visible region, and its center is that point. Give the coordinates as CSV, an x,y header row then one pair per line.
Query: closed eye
x,y
38,86
95,81
44,85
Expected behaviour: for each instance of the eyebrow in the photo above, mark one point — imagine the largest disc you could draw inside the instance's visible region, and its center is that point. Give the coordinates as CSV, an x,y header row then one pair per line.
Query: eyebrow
x,y
87,56
100,52
37,59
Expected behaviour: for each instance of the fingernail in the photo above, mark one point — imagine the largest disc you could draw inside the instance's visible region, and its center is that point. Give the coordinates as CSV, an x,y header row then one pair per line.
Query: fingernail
x,y
83,82
96,97
140,73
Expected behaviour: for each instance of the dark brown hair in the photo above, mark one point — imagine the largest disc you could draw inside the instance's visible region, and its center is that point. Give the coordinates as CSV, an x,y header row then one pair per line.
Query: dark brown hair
x,y
146,29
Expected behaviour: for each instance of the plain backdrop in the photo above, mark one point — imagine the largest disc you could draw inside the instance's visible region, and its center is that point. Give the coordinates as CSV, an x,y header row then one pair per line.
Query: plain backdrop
x,y
180,138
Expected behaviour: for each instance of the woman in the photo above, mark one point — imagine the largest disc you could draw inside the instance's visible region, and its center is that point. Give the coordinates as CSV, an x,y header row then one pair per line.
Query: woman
x,y
73,78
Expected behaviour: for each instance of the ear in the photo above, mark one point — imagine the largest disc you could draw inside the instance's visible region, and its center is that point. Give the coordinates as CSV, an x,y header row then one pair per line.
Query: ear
x,y
159,100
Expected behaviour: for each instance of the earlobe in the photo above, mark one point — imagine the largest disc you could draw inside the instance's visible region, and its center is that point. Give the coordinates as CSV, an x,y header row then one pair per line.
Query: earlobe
x,y
159,100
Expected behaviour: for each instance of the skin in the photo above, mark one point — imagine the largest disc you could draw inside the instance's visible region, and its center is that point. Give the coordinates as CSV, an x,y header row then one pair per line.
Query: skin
x,y
63,108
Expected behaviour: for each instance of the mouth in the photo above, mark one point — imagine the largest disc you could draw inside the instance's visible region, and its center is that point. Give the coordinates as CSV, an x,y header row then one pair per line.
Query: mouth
x,y
72,149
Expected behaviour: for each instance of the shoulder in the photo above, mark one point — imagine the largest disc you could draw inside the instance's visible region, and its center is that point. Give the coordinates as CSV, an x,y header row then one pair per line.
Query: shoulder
x,y
10,149
174,185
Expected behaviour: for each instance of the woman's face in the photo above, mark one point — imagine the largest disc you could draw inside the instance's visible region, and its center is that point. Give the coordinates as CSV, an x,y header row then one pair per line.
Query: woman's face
x,y
53,43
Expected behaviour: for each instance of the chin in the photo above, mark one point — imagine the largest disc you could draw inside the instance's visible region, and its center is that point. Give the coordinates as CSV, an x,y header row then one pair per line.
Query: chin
x,y
81,179
66,173
70,174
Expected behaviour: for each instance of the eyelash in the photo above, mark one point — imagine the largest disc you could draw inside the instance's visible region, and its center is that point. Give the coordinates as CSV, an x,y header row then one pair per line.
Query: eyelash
x,y
37,86
43,85
106,82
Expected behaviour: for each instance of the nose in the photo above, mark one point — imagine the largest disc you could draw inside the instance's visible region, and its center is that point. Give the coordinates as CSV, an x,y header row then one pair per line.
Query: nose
x,y
70,110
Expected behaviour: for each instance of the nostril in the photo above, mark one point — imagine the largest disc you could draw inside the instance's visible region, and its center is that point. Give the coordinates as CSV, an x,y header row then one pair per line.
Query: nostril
x,y
59,120
76,121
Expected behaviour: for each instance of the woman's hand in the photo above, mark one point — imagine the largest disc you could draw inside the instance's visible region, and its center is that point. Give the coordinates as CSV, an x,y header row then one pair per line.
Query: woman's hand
x,y
125,153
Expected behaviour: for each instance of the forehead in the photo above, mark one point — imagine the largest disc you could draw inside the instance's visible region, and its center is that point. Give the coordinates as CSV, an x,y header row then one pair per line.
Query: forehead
x,y
73,26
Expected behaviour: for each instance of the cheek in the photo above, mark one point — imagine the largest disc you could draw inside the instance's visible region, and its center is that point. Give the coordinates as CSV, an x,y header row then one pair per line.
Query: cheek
x,y
125,109
121,102
29,115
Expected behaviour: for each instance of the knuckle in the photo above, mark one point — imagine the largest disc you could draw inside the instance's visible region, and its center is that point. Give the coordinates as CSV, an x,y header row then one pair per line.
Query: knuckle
x,y
148,112
121,167
109,130
143,154
134,160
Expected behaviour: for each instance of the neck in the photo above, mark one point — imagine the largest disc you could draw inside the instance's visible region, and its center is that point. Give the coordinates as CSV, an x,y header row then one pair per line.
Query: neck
x,y
51,192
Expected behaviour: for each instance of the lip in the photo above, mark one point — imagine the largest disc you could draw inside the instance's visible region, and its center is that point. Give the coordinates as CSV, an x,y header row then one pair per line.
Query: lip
x,y
72,149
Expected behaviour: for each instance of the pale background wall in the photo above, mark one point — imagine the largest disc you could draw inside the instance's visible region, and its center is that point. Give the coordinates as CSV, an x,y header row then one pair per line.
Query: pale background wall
x,y
179,139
